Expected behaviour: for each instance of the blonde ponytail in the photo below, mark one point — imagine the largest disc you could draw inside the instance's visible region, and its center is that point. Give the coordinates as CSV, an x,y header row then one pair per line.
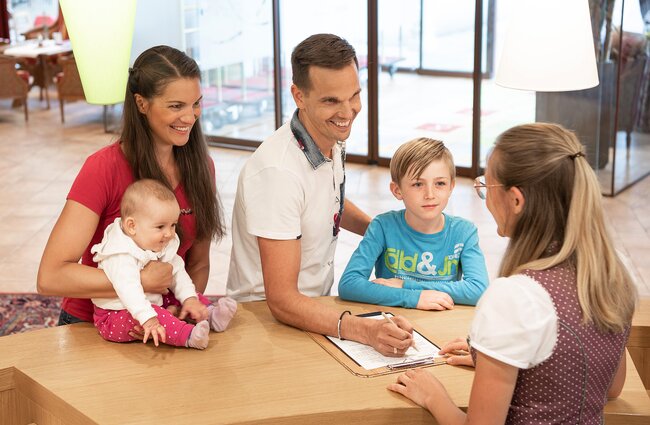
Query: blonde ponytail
x,y
545,161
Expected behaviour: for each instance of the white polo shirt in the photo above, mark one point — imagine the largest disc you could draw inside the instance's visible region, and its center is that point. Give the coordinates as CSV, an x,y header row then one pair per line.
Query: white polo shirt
x,y
287,190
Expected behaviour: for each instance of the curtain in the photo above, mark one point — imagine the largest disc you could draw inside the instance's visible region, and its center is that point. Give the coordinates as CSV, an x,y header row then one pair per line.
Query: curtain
x,y
4,20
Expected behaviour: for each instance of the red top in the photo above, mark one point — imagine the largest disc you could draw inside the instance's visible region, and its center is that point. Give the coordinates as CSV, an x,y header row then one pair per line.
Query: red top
x,y
99,186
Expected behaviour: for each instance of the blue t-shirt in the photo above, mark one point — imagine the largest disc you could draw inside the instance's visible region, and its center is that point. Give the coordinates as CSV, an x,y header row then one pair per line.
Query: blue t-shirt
x,y
450,261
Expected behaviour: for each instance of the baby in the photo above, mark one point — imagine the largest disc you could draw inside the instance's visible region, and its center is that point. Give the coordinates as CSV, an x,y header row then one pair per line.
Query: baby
x,y
146,231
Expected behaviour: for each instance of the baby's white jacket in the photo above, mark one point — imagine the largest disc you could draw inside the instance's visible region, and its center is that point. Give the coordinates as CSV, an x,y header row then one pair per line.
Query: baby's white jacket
x,y
122,260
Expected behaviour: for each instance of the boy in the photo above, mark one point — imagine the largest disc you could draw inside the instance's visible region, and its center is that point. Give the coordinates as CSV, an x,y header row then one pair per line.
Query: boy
x,y
146,231
422,257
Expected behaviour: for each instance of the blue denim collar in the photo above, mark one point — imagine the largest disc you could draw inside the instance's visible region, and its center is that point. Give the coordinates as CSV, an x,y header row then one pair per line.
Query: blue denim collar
x,y
306,143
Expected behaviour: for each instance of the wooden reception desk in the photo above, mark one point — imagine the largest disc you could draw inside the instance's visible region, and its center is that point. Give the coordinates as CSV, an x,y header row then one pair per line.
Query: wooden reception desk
x,y
257,372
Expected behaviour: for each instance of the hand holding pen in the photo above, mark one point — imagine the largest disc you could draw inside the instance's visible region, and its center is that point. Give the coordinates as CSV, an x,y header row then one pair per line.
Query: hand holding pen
x,y
403,326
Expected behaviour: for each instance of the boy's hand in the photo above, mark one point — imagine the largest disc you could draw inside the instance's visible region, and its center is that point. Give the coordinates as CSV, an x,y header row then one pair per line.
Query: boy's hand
x,y
392,282
434,300
155,329
195,309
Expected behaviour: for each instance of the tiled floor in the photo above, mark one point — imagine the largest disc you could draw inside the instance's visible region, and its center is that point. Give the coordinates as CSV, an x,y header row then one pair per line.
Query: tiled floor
x,y
39,160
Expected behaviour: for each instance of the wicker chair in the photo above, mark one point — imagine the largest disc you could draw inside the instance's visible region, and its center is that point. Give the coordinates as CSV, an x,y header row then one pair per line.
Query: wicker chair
x,y
68,83
13,84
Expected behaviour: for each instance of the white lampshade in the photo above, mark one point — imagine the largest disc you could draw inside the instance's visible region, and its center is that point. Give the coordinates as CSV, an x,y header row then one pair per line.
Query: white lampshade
x,y
548,47
101,33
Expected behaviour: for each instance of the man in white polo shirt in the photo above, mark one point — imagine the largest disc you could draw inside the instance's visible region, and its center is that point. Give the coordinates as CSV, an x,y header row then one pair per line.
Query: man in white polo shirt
x,y
291,200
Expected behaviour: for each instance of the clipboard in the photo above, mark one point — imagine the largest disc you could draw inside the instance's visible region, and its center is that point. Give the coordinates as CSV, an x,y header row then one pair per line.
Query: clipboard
x,y
344,351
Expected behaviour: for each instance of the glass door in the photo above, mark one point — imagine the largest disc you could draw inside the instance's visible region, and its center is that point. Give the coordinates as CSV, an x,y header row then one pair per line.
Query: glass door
x,y
233,43
501,108
447,30
417,69
416,104
347,19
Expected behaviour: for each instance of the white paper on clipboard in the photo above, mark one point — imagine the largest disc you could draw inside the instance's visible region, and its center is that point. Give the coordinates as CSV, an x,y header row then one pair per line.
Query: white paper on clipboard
x,y
368,358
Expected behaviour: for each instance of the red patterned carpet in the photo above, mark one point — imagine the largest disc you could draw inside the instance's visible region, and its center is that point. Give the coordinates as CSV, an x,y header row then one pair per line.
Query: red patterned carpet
x,y
28,312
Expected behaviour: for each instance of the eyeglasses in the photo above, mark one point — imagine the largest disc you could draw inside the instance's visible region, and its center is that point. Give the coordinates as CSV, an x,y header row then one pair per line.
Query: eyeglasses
x,y
480,186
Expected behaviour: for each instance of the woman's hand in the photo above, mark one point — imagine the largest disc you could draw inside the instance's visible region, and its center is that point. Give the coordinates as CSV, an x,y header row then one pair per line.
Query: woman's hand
x,y
419,386
393,282
156,277
434,300
60,272
457,352
195,309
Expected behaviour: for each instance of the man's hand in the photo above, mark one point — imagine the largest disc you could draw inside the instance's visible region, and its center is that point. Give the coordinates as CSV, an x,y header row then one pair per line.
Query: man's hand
x,y
156,277
153,328
390,339
434,300
393,282
195,309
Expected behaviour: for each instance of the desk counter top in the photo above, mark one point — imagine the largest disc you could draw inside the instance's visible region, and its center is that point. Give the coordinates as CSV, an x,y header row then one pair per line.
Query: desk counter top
x,y
258,371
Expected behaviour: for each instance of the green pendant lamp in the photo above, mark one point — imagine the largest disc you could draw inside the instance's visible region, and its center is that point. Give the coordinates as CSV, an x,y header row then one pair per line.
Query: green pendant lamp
x,y
101,33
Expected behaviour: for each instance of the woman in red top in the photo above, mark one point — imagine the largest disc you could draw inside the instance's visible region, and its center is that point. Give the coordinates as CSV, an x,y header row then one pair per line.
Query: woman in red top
x,y
161,139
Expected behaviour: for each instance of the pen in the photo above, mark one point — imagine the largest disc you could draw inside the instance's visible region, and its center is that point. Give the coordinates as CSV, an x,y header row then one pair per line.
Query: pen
x,y
389,320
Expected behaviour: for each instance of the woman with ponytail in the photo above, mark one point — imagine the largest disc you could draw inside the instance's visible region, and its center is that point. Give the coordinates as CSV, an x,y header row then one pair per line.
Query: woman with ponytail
x,y
161,139
548,337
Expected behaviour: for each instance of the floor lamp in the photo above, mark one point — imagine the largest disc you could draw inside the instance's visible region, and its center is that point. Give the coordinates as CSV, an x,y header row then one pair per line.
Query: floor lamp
x,y
548,47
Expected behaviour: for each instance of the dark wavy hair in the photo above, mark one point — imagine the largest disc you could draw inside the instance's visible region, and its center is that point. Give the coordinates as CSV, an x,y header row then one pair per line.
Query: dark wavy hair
x,y
152,71
325,50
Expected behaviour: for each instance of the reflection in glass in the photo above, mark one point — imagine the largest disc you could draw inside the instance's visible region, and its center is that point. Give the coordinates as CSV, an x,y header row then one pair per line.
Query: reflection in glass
x,y
399,34
448,30
413,104
501,108
631,145
609,119
191,17
347,19
233,44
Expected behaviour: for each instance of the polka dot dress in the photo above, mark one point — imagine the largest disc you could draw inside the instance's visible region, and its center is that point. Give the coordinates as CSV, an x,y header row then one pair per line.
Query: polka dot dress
x,y
570,387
